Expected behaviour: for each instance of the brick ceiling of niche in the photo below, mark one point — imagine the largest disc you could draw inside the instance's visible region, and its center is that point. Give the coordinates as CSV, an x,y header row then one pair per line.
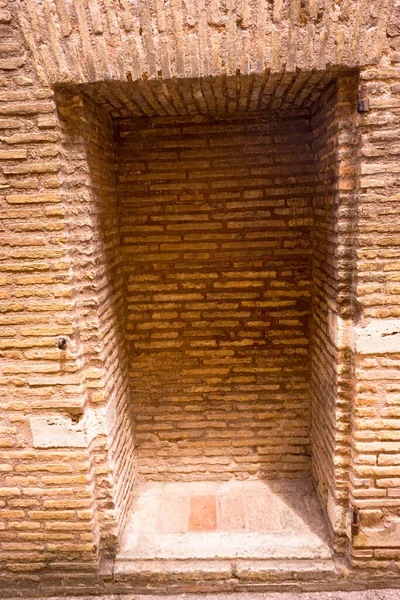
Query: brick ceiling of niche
x,y
209,96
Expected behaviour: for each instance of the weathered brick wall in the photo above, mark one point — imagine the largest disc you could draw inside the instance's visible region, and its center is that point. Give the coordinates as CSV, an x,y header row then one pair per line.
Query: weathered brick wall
x,y
67,459
324,308
215,220
75,41
47,514
375,465
109,383
335,142
90,193
49,522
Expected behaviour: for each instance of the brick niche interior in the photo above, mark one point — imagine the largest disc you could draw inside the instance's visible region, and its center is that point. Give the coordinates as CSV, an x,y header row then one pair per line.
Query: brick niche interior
x,y
193,203
216,220
219,271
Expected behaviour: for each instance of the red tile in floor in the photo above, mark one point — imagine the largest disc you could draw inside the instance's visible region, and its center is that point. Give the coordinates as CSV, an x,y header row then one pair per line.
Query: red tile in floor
x,y
203,513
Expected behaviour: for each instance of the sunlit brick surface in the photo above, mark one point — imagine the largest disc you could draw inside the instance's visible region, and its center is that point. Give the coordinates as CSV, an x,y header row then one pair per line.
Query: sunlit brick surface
x,y
306,387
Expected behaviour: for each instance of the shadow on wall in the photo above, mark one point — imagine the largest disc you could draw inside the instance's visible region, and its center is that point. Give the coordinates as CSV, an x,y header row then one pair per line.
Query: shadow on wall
x,y
88,173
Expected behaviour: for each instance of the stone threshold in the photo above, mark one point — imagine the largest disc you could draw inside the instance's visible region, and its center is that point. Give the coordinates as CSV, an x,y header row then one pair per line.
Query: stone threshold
x,y
223,573
158,577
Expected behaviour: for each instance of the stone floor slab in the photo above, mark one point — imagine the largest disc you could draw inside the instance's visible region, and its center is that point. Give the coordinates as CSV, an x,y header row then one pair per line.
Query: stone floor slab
x,y
251,520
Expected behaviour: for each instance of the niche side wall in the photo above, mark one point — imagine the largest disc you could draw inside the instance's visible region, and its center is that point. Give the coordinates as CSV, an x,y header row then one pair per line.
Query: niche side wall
x,y
91,204
215,221
335,141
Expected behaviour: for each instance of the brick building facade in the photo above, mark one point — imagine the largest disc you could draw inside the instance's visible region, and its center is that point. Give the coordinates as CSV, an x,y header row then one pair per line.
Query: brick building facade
x,y
199,276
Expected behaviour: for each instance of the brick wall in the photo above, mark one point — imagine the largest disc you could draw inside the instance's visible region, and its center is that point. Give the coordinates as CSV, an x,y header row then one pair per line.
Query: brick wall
x,y
215,222
90,192
324,352
57,502
374,468
109,385
47,512
335,143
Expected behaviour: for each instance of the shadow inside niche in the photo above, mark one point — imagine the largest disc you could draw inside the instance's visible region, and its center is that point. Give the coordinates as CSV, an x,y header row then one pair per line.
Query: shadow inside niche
x,y
301,500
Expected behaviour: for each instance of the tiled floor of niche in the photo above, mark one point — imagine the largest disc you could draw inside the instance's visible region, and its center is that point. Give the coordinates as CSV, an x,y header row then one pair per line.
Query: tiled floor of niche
x,y
232,519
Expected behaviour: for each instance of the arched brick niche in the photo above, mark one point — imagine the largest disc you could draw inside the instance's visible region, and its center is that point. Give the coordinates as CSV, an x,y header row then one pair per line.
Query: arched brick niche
x,y
224,222
92,41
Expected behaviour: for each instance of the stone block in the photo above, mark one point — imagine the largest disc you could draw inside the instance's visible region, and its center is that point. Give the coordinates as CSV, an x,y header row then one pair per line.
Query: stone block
x,y
379,336
57,432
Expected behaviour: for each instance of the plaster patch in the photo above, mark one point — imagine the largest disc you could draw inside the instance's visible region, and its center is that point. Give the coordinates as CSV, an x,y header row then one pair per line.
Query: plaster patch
x,y
111,417
332,326
379,337
95,423
341,331
336,514
57,432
